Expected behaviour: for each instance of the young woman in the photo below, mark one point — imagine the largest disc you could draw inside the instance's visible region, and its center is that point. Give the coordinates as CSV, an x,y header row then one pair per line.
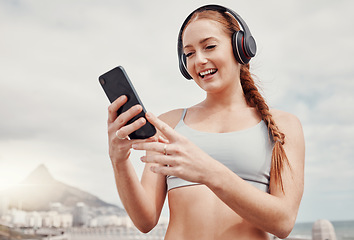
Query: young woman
x,y
232,168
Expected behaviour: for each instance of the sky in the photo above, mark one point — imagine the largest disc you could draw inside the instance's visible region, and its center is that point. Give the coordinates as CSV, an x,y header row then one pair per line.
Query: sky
x,y
54,112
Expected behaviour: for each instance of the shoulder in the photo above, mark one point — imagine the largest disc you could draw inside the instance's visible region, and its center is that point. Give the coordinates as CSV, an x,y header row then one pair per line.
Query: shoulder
x,y
285,120
172,117
289,124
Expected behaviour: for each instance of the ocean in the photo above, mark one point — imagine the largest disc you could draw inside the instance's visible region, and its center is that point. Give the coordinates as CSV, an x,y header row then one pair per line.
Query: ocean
x,y
344,229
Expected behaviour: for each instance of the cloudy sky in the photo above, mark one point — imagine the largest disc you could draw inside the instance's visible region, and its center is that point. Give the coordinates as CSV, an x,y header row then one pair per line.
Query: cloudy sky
x,y
53,110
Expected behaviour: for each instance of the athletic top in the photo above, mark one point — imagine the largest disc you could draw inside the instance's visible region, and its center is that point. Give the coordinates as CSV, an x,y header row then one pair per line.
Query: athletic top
x,y
246,152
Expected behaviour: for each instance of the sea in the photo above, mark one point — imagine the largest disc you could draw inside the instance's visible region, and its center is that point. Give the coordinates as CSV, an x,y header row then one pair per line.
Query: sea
x,y
344,230
302,231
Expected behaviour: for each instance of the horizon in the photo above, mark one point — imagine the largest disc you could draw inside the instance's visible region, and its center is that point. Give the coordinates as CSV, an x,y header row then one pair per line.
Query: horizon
x,y
43,165
54,111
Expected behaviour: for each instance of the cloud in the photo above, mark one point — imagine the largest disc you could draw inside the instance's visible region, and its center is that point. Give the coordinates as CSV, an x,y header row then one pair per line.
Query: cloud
x,y
54,111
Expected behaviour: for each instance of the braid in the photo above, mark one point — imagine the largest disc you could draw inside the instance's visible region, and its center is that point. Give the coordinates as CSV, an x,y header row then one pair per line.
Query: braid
x,y
255,99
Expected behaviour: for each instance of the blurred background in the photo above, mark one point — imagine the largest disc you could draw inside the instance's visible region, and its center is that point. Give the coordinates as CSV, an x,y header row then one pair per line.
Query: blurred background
x,y
53,110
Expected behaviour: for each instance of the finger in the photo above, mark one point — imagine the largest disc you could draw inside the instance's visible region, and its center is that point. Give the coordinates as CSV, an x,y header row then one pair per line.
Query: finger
x,y
123,132
152,139
126,116
163,140
150,146
121,137
113,108
126,143
163,170
164,128
164,160
134,141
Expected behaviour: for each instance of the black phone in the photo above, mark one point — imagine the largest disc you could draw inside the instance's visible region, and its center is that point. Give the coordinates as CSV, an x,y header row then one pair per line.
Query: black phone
x,y
116,83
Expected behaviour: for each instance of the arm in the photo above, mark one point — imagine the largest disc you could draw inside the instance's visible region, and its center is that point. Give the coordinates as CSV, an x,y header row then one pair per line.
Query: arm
x,y
275,212
142,201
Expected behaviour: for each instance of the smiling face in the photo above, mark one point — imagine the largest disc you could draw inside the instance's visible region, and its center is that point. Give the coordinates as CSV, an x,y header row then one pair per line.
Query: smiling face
x,y
210,59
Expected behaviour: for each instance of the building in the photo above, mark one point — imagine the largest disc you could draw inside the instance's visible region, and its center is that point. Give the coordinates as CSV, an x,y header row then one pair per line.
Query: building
x,y
81,217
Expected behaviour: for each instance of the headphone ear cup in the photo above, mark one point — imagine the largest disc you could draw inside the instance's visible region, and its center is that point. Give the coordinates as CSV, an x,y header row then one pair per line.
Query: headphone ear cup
x,y
183,66
238,47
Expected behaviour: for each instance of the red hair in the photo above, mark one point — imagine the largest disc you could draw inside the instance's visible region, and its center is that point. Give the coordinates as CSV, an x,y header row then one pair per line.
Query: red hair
x,y
253,96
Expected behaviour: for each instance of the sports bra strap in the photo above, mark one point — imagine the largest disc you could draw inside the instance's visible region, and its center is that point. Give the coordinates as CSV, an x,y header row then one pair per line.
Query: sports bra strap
x,y
184,114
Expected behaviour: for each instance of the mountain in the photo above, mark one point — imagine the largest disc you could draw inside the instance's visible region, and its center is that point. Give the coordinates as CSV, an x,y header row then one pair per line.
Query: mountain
x,y
40,189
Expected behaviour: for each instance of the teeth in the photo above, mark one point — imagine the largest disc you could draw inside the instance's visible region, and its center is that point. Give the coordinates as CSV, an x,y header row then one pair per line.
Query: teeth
x,y
207,72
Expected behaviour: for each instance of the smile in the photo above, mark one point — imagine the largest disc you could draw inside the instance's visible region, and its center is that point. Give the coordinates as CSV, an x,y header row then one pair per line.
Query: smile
x,y
207,72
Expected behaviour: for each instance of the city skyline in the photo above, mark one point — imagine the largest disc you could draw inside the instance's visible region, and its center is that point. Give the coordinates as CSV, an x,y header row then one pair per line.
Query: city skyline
x,y
54,111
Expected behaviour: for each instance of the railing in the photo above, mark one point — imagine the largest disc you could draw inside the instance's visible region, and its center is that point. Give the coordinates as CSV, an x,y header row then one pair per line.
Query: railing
x,y
122,233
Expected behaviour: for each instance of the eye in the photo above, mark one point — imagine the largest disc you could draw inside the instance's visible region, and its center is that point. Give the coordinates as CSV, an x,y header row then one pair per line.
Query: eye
x,y
188,54
210,46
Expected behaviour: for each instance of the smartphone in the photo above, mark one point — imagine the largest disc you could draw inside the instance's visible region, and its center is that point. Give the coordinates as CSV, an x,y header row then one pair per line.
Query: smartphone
x,y
116,83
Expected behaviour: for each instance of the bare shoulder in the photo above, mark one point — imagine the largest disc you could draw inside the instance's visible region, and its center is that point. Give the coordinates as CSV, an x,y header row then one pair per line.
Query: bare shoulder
x,y
172,117
291,126
286,121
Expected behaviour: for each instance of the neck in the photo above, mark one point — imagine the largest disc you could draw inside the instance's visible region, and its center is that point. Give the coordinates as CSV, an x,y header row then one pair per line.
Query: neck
x,y
231,98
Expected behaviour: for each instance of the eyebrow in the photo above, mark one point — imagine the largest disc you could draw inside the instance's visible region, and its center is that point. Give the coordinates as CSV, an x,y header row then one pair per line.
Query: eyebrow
x,y
201,41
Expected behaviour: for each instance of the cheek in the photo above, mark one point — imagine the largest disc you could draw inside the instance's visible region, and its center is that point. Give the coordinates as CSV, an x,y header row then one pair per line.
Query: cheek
x,y
191,68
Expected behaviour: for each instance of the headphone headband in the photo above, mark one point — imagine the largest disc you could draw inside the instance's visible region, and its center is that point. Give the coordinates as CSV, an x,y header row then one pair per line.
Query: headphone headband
x,y
244,44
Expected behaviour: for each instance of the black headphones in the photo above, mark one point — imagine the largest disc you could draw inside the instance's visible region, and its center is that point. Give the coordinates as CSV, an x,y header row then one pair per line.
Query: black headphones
x,y
243,44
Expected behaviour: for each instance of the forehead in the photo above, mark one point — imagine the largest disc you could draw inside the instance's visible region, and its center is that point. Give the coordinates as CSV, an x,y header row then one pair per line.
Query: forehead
x,y
201,29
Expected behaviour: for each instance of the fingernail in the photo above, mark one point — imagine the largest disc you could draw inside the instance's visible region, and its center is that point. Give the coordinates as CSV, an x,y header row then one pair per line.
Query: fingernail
x,y
134,146
151,139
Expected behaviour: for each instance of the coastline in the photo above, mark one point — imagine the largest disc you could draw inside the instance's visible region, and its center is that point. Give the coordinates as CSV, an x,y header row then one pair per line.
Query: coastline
x,y
344,230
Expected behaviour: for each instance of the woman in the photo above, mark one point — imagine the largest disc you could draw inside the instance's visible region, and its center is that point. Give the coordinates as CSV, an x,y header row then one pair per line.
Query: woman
x,y
232,168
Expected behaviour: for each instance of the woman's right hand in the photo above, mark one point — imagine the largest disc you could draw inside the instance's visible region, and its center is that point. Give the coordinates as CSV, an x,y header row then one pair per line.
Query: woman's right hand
x,y
119,143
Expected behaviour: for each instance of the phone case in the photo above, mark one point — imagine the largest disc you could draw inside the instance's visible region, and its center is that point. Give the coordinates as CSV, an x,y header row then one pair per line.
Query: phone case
x,y
116,83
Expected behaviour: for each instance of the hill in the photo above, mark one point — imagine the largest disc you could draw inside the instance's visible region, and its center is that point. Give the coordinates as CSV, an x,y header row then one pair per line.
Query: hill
x,y
40,189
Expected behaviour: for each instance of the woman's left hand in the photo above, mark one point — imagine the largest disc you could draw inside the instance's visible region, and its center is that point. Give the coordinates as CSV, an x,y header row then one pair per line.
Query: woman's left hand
x,y
176,155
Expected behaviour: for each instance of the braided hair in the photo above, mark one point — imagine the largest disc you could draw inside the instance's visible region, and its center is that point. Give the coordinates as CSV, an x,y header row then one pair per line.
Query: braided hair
x,y
253,97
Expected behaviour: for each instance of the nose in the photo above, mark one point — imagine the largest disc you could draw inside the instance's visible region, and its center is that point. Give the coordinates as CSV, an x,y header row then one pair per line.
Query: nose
x,y
200,59
197,61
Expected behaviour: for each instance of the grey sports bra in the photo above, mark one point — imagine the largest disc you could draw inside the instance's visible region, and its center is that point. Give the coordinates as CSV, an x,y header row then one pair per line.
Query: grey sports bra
x,y
246,152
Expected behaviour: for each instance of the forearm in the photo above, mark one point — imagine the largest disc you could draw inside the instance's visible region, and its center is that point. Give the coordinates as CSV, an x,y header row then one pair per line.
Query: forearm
x,y
267,212
134,197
